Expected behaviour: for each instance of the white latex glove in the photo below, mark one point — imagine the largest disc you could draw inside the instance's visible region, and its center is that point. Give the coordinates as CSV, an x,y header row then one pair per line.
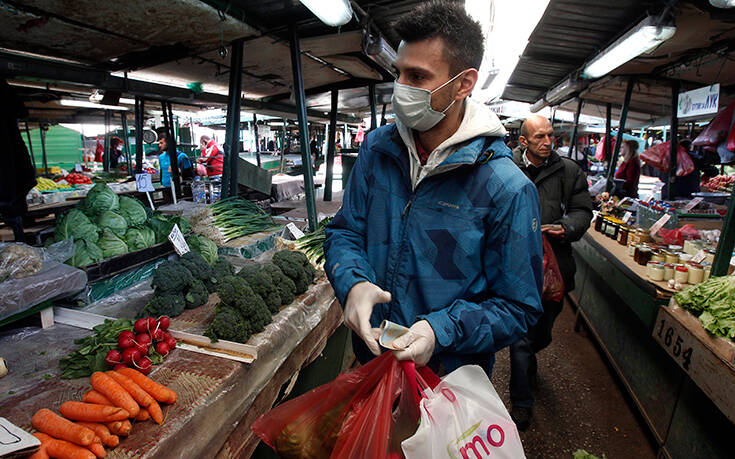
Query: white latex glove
x,y
361,299
417,344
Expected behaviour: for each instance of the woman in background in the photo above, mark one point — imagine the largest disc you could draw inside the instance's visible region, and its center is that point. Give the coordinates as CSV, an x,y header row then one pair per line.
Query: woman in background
x,y
630,169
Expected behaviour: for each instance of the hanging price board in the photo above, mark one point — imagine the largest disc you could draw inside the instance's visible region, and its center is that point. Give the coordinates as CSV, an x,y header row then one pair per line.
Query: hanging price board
x,y
177,239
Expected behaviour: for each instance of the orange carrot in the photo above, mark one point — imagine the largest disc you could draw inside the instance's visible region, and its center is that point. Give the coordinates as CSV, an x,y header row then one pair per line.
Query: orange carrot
x,y
54,425
91,412
63,449
122,428
158,391
156,414
97,449
41,453
138,394
114,392
144,415
95,397
103,432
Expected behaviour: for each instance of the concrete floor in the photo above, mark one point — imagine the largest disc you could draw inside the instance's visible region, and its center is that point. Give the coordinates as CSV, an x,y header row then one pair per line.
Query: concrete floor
x,y
579,403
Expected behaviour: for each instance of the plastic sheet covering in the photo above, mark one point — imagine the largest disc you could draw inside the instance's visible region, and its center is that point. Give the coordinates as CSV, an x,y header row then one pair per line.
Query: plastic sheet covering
x,y
18,260
120,282
56,280
124,303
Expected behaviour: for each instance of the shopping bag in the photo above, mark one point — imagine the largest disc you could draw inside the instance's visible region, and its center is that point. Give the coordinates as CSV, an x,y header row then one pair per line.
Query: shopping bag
x,y
600,149
350,417
463,418
658,156
717,130
553,289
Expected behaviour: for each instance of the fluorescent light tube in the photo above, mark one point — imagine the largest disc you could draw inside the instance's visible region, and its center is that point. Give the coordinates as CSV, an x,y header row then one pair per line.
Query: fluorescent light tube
x,y
722,3
562,90
640,39
85,104
331,12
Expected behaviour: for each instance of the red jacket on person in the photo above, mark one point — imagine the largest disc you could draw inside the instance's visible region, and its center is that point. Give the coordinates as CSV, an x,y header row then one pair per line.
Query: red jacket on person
x,y
215,158
630,171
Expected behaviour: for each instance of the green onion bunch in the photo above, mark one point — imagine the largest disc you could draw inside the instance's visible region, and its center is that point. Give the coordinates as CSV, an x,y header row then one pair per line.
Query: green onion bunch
x,y
236,217
312,244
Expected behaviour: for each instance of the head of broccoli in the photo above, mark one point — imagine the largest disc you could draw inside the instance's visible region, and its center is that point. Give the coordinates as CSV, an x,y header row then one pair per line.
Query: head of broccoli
x,y
235,292
262,284
164,304
295,265
229,325
222,267
171,277
286,287
196,295
200,269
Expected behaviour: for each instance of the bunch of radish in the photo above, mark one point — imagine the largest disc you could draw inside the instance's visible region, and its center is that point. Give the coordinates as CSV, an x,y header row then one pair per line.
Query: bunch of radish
x,y
149,338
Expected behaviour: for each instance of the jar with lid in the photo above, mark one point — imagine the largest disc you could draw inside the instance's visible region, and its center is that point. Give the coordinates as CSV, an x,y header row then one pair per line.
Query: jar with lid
x,y
681,274
668,271
631,250
623,234
655,271
685,258
696,274
657,255
643,235
707,271
644,256
613,229
598,223
671,257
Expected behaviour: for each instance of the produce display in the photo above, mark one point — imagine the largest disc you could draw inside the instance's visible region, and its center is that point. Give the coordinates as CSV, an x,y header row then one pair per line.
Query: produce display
x,y
75,178
120,343
44,184
713,301
312,244
85,428
105,226
231,218
19,260
203,246
719,184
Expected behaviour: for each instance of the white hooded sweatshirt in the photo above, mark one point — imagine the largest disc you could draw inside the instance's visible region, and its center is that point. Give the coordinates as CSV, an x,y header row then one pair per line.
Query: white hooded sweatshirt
x,y
478,120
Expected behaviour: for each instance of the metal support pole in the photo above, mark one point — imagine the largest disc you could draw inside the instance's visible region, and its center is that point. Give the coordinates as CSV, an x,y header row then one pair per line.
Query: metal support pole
x,y
573,142
373,107
621,128
283,145
608,130
43,147
721,263
126,140
139,115
257,140
106,154
383,121
232,126
671,189
30,147
331,149
173,157
690,132
298,89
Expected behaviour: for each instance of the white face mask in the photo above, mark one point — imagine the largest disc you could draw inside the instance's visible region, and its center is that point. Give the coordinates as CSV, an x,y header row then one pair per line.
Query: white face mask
x,y
413,106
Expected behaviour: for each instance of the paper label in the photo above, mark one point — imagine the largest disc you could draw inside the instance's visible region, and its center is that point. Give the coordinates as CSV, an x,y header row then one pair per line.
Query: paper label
x,y
295,232
77,168
659,224
143,182
627,216
177,239
692,204
700,256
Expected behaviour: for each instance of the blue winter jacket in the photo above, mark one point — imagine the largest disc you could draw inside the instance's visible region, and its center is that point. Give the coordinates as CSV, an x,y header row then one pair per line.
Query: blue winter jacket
x,y
463,250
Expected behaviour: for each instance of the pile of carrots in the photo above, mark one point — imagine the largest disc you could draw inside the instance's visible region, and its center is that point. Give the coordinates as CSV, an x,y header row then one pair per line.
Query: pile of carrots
x,y
103,415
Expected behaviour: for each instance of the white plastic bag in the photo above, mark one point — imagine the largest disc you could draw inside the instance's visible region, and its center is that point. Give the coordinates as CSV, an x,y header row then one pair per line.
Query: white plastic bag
x,y
463,418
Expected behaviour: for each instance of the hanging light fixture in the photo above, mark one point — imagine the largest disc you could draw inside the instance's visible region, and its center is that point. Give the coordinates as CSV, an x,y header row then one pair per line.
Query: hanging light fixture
x,y
641,39
722,3
333,13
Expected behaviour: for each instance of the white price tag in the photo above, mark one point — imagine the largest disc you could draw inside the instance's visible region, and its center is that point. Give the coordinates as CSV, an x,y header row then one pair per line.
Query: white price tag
x,y
659,224
295,232
627,216
700,256
143,182
177,239
692,204
77,168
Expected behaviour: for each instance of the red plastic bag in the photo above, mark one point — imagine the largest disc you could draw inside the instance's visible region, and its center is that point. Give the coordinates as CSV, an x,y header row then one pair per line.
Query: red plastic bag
x,y
716,131
600,150
553,282
679,235
350,417
658,156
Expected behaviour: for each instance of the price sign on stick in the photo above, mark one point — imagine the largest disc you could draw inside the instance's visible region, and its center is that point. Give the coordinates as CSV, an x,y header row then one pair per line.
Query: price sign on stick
x,y
77,168
700,256
177,239
659,224
295,232
143,182
627,216
692,204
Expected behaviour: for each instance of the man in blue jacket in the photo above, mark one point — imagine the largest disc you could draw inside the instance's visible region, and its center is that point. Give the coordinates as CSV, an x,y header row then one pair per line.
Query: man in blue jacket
x,y
439,231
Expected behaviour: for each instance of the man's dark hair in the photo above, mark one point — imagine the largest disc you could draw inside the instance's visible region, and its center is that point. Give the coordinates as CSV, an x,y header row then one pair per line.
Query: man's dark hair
x,y
448,20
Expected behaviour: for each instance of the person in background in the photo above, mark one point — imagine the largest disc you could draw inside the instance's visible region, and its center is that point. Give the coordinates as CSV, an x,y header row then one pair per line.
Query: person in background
x,y
186,168
212,157
630,169
116,151
439,231
566,212
99,151
271,145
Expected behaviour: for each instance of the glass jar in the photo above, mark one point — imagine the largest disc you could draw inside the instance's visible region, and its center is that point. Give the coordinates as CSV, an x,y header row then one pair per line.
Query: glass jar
x,y
685,258
707,271
644,256
623,235
643,235
696,274
668,271
631,250
598,223
681,274
657,255
671,257
613,229
655,271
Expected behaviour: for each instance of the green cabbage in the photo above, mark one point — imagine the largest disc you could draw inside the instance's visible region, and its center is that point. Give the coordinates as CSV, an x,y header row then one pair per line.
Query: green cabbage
x,y
112,221
163,224
111,245
99,199
75,224
85,253
133,211
204,247
140,238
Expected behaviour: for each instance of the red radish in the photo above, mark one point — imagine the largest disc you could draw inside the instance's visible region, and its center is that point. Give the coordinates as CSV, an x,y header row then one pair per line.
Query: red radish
x,y
119,366
113,357
164,322
125,342
157,334
144,365
162,348
127,333
144,349
167,335
171,343
152,324
141,326
130,355
143,338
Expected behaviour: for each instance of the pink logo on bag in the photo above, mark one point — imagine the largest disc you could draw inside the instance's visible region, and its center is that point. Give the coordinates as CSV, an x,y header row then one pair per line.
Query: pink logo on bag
x,y
481,441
